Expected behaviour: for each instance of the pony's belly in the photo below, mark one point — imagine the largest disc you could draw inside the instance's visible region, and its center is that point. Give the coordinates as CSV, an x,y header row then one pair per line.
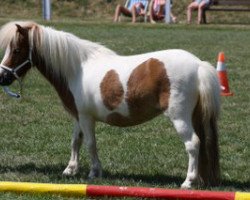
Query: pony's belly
x,y
117,119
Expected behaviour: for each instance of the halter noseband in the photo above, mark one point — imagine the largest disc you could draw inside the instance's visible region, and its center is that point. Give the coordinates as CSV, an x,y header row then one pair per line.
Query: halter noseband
x,y
14,71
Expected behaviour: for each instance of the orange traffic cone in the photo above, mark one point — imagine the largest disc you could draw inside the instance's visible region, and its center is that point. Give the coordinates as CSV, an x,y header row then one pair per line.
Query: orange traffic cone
x,y
222,75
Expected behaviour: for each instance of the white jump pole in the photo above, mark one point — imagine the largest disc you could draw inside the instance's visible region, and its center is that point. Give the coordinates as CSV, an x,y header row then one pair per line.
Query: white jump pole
x,y
46,10
167,12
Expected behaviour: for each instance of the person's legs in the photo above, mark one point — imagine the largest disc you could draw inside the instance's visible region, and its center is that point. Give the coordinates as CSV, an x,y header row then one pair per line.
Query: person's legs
x,y
117,13
158,13
121,9
173,17
192,6
151,12
161,12
134,13
201,6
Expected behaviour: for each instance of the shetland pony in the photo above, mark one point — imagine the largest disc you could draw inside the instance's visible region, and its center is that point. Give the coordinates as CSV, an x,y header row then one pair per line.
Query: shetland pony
x,y
96,84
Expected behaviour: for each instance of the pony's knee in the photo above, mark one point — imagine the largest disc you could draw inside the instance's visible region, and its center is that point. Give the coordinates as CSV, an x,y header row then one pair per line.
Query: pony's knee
x,y
77,139
89,143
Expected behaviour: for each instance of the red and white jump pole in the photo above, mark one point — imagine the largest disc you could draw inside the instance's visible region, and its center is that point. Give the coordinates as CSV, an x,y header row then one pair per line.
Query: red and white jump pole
x,y
117,191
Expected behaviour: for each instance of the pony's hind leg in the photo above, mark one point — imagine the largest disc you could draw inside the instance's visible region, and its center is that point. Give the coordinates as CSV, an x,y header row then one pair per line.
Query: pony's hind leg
x,y
192,143
76,143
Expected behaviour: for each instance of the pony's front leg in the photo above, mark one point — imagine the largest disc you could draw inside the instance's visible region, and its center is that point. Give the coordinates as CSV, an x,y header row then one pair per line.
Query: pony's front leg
x,y
87,125
77,139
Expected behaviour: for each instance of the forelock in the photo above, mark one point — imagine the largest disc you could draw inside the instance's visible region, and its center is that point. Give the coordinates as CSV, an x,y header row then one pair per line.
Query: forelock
x,y
8,32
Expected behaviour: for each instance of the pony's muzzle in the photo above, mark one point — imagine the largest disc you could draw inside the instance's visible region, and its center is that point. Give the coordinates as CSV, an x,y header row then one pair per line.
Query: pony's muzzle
x,y
6,78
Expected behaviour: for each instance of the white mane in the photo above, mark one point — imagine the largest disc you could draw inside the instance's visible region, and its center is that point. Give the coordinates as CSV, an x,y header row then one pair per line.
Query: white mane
x,y
62,51
65,52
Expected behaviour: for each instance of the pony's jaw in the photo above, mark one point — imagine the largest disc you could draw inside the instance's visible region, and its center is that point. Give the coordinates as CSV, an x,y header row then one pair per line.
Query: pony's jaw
x,y
6,78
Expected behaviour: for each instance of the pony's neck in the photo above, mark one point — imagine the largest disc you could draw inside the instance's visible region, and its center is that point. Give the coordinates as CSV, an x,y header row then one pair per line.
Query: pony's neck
x,y
60,84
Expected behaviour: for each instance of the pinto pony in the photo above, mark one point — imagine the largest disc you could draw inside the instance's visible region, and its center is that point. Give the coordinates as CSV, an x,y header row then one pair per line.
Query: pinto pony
x,y
96,84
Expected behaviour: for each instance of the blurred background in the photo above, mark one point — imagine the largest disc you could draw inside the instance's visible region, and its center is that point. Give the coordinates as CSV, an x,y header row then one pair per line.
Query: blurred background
x,y
101,10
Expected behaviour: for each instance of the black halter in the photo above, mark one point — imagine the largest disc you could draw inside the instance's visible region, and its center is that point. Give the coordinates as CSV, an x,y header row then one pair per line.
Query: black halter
x,y
14,71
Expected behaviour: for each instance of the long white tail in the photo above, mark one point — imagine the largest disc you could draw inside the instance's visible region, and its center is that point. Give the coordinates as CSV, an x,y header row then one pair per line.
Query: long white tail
x,y
205,119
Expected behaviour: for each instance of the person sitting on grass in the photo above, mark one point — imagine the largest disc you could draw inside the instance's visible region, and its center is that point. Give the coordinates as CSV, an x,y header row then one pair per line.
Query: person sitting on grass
x,y
135,8
197,5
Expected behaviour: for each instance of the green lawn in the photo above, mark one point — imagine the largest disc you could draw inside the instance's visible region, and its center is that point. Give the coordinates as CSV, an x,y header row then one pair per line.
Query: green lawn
x,y
36,132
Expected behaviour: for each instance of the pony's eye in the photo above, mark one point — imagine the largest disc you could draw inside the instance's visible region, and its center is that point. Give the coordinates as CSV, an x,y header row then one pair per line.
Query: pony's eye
x,y
17,50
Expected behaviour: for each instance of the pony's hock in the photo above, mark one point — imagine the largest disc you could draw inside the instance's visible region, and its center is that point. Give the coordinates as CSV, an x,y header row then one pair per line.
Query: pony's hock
x,y
96,84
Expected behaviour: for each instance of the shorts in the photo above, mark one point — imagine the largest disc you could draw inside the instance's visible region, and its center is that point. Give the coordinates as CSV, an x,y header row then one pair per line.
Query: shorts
x,y
157,9
139,7
206,1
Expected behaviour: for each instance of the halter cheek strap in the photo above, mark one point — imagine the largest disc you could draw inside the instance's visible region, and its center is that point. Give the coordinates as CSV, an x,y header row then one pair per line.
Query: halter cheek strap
x,y
14,72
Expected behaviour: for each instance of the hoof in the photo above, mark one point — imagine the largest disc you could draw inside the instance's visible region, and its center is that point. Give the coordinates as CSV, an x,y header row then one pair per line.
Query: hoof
x,y
95,173
70,171
186,185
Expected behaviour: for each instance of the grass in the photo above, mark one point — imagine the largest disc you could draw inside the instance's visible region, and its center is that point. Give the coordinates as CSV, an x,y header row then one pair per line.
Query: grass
x,y
36,132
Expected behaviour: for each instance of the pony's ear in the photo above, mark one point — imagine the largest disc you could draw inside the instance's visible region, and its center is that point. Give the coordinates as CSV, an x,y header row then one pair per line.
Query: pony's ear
x,y
21,30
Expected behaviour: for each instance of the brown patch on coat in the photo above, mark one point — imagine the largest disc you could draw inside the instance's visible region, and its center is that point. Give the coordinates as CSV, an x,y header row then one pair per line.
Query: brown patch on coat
x,y
117,119
147,96
111,90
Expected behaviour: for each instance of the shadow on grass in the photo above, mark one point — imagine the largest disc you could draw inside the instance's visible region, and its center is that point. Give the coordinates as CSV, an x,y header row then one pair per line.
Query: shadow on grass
x,y
163,180
54,172
157,179
31,168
